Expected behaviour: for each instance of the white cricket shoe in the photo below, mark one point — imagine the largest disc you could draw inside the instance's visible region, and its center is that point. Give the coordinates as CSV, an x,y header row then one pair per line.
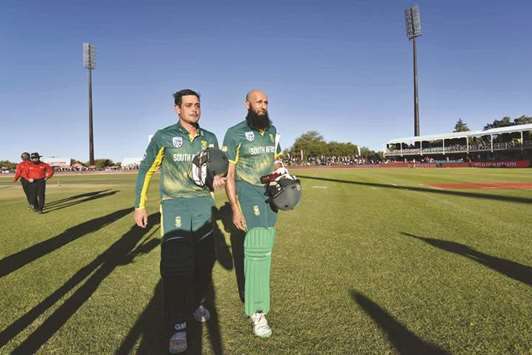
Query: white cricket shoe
x,y
178,341
260,325
202,314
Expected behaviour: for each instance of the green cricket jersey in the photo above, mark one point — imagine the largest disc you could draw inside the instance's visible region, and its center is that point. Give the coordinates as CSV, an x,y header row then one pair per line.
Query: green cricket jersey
x,y
172,148
254,152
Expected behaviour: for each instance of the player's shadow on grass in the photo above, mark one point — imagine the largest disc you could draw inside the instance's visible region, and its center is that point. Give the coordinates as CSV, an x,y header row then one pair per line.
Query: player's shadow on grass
x,y
52,207
225,214
213,328
15,261
121,252
425,189
402,339
506,267
75,197
149,328
223,255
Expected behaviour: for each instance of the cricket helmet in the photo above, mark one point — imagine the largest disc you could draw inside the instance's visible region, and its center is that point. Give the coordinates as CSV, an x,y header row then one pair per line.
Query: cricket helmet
x,y
207,164
284,192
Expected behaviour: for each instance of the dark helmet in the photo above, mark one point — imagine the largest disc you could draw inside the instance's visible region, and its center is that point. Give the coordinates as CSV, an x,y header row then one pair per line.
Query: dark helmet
x,y
284,192
207,164
35,156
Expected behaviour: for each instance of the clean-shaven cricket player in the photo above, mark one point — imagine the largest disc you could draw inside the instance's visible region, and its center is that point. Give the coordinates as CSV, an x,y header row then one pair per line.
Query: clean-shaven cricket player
x,y
187,249
252,149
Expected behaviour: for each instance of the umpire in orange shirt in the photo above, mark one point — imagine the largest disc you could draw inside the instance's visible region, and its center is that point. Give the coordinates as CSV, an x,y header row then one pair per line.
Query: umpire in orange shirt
x,y
22,173
38,173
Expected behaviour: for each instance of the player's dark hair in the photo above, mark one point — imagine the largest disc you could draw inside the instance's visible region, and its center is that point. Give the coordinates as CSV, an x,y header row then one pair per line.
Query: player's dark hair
x,y
178,96
25,155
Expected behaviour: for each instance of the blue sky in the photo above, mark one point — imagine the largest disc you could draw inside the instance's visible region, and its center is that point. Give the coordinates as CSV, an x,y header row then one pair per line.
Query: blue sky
x,y
342,68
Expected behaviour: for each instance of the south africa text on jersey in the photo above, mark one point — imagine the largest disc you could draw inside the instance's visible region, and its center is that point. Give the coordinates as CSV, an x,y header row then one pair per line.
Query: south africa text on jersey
x,y
182,157
262,149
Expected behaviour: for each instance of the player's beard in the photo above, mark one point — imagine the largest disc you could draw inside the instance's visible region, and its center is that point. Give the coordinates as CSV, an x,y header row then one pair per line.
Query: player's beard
x,y
258,122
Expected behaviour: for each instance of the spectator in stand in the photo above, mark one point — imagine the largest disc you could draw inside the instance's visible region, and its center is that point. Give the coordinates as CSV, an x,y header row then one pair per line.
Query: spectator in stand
x,y
21,173
37,173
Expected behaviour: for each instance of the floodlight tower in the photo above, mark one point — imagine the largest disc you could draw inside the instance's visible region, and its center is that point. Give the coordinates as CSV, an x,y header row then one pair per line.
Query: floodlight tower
x,y
89,62
413,30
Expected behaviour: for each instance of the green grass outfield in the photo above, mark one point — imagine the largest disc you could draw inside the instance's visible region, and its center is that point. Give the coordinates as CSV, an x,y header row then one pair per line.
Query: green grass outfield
x,y
373,261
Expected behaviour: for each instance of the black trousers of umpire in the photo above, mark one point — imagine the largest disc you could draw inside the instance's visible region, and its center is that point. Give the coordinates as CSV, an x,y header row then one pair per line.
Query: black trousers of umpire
x,y
27,189
186,271
37,193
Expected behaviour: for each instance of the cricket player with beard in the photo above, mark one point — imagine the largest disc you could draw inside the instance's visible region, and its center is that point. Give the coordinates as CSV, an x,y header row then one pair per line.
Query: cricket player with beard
x,y
253,151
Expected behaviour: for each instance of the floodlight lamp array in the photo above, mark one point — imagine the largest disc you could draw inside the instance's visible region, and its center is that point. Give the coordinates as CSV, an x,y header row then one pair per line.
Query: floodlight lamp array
x,y
413,22
89,56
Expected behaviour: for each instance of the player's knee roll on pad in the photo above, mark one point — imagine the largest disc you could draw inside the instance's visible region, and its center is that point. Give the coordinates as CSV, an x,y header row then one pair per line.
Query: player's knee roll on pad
x,y
258,245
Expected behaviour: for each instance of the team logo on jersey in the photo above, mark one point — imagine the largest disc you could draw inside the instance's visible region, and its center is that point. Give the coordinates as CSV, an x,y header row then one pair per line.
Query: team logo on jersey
x,y
177,142
178,221
256,210
250,136
204,144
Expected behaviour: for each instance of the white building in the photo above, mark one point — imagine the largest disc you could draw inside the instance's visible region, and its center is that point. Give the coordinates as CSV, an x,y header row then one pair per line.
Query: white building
x,y
57,162
131,163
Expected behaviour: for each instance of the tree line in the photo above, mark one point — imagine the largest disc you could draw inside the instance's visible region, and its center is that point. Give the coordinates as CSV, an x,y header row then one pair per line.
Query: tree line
x,y
312,144
506,121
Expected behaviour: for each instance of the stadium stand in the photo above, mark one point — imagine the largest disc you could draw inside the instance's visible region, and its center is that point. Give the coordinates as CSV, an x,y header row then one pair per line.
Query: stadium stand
x,y
504,146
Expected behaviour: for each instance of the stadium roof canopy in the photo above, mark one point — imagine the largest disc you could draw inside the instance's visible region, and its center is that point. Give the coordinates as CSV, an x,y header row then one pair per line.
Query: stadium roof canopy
x,y
488,132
